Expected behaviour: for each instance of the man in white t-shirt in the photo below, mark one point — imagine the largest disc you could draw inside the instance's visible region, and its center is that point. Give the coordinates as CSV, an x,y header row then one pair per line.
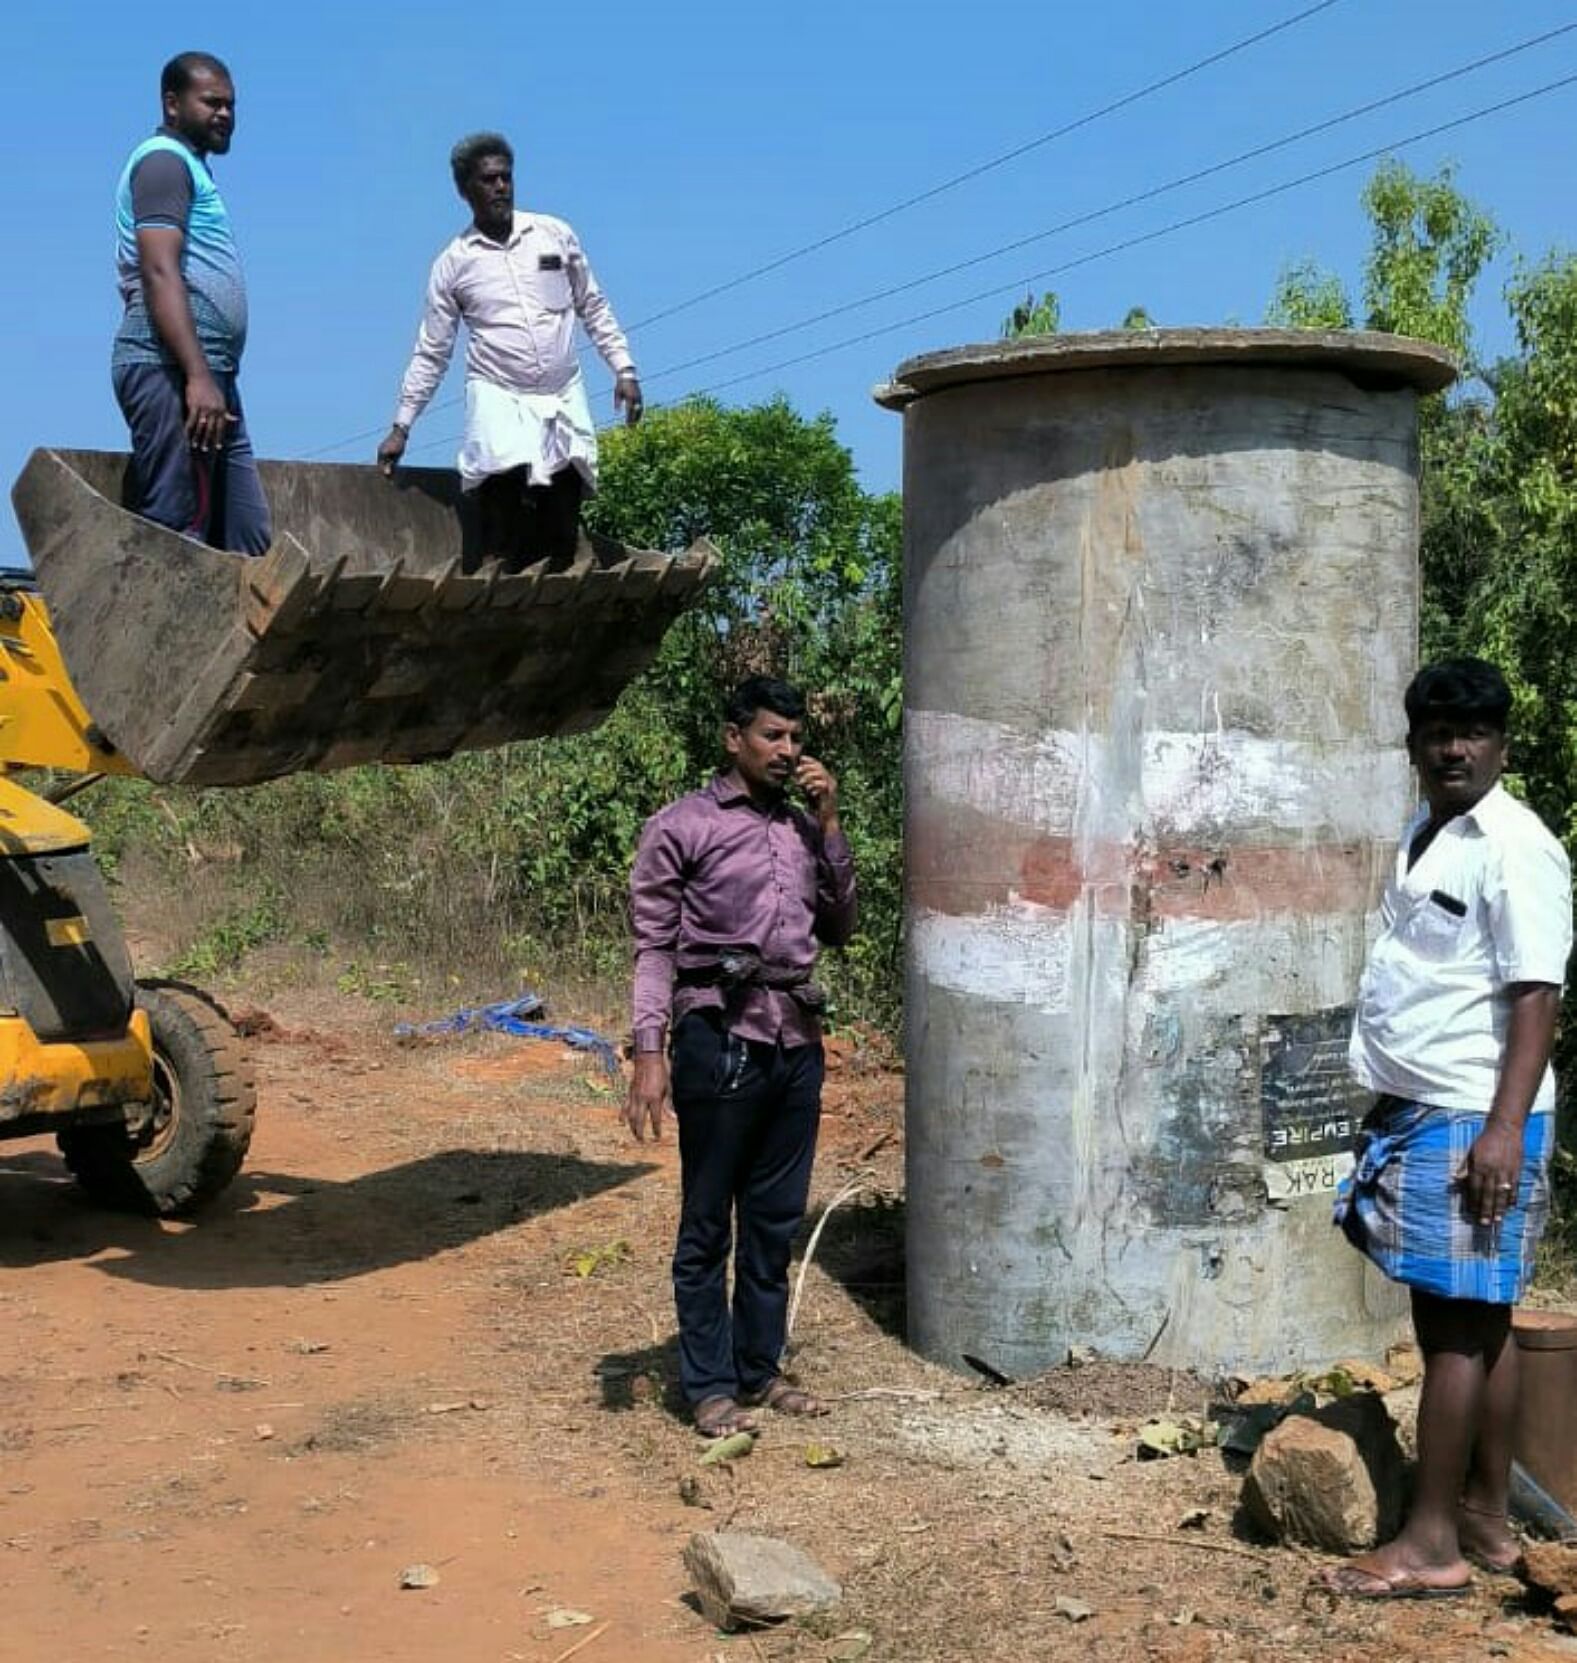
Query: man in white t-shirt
x,y
1455,1021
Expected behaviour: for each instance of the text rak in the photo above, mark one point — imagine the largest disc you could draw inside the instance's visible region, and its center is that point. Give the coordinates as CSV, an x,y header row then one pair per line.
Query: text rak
x,y
1298,1180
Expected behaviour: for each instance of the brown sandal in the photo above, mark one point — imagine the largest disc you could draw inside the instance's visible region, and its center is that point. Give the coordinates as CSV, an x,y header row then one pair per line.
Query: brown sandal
x,y
786,1399
721,1417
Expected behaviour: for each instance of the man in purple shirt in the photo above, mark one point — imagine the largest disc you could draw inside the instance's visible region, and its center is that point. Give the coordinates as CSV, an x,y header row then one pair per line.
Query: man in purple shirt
x,y
732,888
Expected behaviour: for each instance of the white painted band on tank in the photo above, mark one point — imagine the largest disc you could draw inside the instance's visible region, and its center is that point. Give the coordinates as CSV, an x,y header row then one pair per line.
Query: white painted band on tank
x,y
1019,954
1189,784
1030,955
1288,962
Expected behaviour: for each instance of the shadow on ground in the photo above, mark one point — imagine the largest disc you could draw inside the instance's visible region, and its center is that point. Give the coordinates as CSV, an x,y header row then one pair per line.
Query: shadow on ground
x,y
627,1379
862,1249
274,1230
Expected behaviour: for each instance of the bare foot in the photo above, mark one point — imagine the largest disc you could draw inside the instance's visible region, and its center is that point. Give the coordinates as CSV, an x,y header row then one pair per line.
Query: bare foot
x,y
1487,1539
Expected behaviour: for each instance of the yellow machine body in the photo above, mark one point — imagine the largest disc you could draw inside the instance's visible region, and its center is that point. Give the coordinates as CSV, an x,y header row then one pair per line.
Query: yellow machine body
x,y
56,918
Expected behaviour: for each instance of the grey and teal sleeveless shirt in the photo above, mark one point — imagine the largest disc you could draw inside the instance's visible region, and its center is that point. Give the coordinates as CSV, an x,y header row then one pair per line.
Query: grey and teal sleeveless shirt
x,y
158,195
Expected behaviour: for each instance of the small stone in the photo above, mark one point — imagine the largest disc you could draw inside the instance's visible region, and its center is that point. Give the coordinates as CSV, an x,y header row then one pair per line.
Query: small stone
x,y
1566,1612
1362,1376
566,1617
1330,1479
1075,1610
1404,1363
1264,1392
850,1646
1551,1566
418,1576
264,1431
742,1579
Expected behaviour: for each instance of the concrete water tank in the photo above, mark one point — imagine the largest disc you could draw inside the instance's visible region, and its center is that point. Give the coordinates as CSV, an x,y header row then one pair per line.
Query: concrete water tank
x,y
1161,602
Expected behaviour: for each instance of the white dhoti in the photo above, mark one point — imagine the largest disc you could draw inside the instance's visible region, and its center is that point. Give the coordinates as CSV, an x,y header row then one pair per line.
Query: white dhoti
x,y
544,432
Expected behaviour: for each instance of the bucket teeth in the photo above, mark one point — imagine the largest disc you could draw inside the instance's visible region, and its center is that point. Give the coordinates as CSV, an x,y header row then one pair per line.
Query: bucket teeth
x,y
360,636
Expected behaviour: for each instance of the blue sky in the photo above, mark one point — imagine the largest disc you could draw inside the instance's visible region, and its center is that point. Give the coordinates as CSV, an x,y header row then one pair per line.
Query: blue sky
x,y
690,142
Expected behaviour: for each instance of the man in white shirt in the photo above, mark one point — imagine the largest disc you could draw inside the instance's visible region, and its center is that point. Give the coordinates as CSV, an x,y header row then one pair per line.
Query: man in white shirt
x,y
1455,1021
518,281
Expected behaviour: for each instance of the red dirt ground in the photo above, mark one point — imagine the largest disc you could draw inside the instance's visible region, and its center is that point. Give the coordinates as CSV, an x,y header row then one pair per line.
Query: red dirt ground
x,y
224,1442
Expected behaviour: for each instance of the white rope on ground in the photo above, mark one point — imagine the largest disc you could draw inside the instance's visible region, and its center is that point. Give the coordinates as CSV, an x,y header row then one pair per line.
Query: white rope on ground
x,y
855,1186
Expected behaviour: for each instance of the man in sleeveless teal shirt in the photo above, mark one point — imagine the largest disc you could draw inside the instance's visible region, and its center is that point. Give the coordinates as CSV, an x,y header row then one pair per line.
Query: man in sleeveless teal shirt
x,y
178,349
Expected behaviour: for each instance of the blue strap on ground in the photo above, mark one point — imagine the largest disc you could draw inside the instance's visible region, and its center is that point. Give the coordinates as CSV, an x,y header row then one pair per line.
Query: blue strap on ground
x,y
514,1016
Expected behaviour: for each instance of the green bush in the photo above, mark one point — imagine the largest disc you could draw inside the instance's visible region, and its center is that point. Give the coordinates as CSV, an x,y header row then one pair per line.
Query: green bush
x,y
517,860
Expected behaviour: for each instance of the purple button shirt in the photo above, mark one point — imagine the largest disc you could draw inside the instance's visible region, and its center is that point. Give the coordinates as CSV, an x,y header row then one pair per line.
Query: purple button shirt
x,y
714,871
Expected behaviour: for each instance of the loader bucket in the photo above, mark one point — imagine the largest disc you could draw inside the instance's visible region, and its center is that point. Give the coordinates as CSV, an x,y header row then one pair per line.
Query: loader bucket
x,y
366,633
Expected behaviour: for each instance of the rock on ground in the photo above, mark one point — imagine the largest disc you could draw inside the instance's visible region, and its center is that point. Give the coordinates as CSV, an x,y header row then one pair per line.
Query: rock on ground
x,y
1552,1566
1331,1479
743,1580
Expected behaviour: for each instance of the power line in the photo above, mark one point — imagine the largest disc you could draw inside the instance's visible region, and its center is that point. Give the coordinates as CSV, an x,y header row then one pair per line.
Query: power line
x,y
927,195
1149,195
988,166
1136,241
1145,237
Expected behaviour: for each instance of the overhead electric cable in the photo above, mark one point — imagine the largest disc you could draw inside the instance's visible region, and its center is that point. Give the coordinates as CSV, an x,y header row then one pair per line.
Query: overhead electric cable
x,y
990,165
1149,195
1312,177
1147,236
927,195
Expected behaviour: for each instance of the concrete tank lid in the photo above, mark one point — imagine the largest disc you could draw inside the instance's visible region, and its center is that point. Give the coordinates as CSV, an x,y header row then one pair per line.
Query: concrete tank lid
x,y
1397,359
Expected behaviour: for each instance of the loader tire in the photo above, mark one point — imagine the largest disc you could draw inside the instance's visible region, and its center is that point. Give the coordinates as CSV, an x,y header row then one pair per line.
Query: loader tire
x,y
205,1101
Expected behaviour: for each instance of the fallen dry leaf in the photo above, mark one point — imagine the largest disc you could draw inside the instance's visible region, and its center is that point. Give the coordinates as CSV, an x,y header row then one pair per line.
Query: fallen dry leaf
x,y
726,1449
564,1617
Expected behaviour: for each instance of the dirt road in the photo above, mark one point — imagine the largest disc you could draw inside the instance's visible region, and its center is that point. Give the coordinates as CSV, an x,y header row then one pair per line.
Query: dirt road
x,y
431,1325
228,1441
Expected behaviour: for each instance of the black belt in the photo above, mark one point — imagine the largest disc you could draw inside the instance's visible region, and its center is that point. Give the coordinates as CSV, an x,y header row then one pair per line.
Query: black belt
x,y
735,971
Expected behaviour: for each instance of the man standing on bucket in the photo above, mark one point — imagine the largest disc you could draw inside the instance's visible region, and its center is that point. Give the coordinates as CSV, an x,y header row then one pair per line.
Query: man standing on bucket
x,y
518,281
178,349
732,888
1455,1022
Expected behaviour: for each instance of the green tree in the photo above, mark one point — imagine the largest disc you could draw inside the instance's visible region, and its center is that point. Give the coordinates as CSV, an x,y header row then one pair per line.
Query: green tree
x,y
516,860
1137,318
810,587
1430,246
1501,553
1308,297
1033,317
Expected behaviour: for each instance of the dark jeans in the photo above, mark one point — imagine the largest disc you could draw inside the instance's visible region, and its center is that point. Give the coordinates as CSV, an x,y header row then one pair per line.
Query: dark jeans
x,y
747,1117
215,497
523,523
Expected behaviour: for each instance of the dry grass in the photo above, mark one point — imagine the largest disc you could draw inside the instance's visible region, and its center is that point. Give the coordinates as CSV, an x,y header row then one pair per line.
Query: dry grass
x,y
960,1515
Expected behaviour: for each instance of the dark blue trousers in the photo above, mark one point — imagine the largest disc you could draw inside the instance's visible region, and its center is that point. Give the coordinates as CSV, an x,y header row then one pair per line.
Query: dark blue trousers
x,y
215,497
748,1115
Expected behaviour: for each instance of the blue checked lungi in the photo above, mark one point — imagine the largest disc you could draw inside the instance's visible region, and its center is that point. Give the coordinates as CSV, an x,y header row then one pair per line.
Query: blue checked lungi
x,y
1404,1208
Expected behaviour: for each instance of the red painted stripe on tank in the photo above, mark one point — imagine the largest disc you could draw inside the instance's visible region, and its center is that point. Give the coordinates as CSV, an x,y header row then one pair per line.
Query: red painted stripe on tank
x,y
964,864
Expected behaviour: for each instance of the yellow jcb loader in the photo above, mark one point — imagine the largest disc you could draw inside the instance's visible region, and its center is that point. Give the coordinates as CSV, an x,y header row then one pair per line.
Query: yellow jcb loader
x,y
366,633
